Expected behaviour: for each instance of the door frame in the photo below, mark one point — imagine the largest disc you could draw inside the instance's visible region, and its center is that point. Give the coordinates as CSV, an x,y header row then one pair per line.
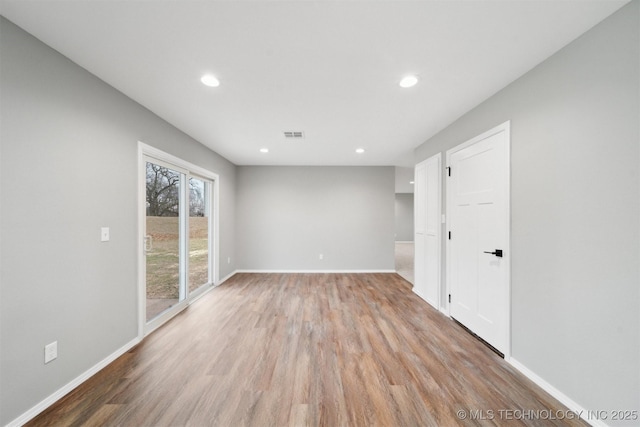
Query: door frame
x,y
504,127
146,151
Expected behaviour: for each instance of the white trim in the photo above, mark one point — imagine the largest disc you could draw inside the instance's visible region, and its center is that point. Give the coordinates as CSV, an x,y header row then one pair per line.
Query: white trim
x,y
438,157
225,278
557,394
442,309
315,271
140,233
187,167
61,392
506,128
404,241
183,243
422,297
164,317
214,219
205,289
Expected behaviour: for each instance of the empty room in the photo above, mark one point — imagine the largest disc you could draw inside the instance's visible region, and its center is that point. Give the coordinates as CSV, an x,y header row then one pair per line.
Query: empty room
x,y
305,213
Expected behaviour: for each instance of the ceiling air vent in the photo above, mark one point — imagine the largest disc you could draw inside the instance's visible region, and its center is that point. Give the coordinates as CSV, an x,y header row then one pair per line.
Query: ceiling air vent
x,y
294,134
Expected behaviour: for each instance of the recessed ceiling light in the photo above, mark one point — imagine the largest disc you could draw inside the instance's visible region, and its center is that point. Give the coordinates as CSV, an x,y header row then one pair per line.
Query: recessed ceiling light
x,y
359,150
210,80
264,150
408,81
411,182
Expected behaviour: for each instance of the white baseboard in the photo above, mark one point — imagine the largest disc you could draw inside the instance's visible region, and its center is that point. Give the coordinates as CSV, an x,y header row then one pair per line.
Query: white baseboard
x,y
50,400
227,277
422,297
560,396
315,271
415,291
404,241
60,393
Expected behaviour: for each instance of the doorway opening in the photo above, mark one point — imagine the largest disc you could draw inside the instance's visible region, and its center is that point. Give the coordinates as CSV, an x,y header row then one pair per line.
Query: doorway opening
x,y
405,260
404,226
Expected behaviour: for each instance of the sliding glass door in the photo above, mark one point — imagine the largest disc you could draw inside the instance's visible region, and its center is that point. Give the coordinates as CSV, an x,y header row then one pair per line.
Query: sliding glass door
x,y
177,242
163,239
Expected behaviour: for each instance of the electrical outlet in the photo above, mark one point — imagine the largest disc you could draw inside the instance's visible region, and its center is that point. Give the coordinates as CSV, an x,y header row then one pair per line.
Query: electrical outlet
x,y
50,352
321,256
229,260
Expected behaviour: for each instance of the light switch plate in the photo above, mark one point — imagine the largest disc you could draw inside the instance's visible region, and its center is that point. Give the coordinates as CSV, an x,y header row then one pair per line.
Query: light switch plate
x,y
104,234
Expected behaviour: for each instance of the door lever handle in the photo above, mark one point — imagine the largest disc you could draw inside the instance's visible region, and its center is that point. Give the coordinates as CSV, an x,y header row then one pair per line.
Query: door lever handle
x,y
497,252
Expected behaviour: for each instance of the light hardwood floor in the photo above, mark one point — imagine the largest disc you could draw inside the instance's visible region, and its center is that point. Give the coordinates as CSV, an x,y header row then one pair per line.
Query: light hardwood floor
x,y
307,350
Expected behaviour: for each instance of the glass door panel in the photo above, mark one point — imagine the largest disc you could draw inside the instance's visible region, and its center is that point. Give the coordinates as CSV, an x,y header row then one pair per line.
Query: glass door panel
x,y
199,208
164,286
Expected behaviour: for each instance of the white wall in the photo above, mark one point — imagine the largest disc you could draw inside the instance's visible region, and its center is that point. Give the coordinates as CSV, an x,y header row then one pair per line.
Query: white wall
x,y
289,215
575,203
404,178
68,167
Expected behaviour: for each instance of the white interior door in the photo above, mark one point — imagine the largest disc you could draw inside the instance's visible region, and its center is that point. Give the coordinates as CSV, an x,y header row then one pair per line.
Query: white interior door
x,y
478,247
427,197
419,229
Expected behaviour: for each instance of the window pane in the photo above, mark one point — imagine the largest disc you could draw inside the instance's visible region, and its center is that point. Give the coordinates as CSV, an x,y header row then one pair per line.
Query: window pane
x,y
198,233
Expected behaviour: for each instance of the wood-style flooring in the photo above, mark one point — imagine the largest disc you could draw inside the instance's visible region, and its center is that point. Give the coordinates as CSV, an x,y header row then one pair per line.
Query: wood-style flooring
x,y
309,350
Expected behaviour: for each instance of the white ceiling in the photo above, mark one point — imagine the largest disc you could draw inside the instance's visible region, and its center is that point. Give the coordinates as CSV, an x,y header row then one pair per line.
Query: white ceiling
x,y
328,68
